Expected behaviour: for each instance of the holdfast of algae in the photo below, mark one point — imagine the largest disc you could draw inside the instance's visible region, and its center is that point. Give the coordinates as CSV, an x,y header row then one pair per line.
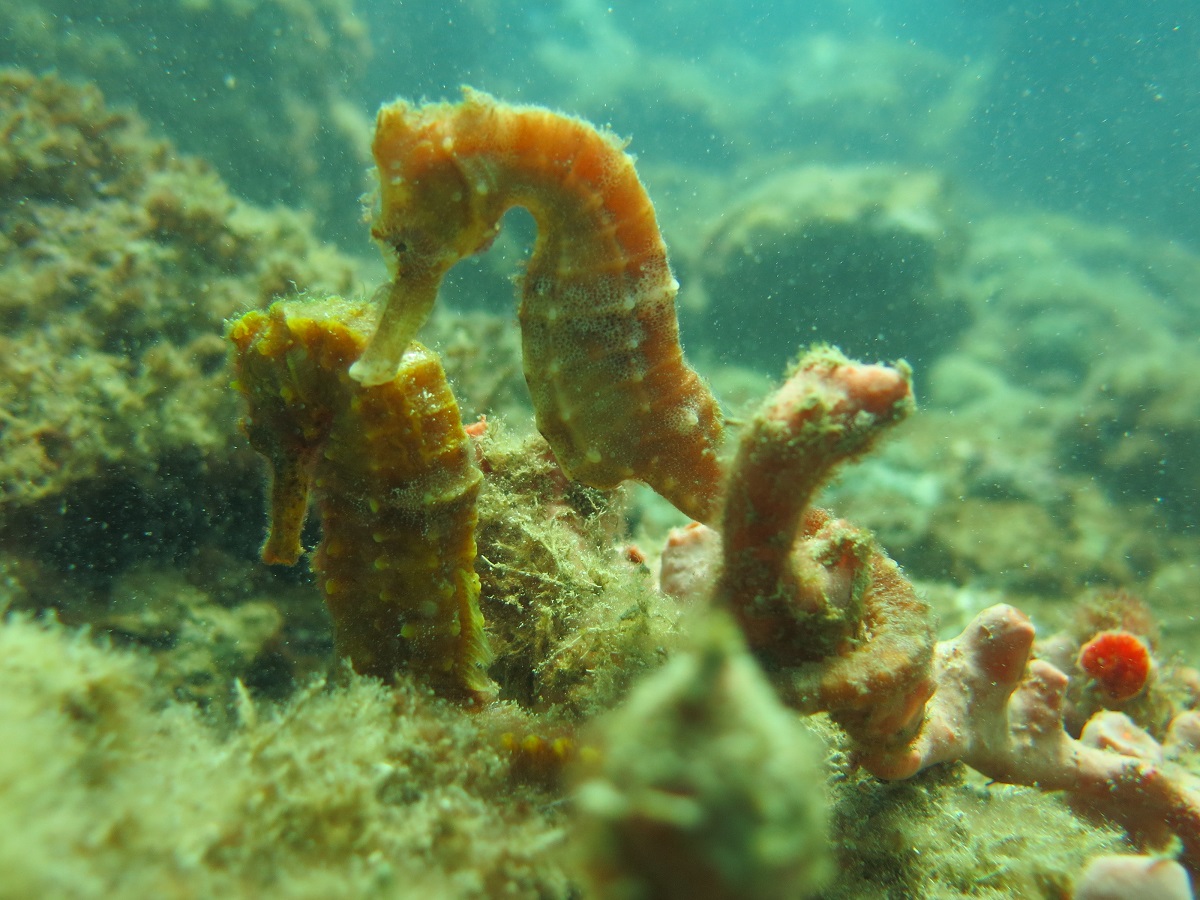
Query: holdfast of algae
x,y
394,477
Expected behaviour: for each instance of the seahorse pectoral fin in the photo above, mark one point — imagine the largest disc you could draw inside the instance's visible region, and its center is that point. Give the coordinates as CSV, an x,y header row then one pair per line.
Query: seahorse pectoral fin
x,y
406,307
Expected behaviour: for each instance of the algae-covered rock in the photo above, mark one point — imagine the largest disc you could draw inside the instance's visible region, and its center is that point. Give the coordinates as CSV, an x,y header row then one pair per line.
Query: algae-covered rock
x,y
119,261
573,621
202,644
858,257
246,84
109,789
949,834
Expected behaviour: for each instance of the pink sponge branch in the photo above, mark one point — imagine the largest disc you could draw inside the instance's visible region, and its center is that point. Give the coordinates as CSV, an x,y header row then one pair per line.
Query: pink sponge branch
x,y
1001,713
831,618
829,410
838,628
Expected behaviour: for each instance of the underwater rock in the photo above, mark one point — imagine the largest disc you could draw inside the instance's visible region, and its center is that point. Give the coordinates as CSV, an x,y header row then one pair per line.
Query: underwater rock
x,y
952,833
195,82
1138,427
705,785
573,622
860,258
118,263
110,789
200,645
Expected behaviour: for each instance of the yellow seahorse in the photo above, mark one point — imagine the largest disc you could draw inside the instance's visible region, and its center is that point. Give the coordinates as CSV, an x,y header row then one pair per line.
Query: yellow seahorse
x,y
396,482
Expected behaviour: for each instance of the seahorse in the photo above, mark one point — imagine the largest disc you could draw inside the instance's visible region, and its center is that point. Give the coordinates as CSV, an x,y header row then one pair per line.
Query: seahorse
x,y
612,393
395,480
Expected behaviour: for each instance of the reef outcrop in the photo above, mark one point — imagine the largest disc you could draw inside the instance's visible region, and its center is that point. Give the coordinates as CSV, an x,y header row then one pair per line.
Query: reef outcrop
x,y
119,261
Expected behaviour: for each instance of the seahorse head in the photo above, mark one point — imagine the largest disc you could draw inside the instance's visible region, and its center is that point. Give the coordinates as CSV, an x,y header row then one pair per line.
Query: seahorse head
x,y
433,210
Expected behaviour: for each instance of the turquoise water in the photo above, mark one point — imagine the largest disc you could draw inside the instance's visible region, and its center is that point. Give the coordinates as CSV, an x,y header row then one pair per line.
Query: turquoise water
x,y
1078,107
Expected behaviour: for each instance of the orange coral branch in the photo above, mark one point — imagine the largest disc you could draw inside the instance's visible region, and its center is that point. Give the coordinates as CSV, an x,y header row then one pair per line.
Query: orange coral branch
x,y
394,474
612,393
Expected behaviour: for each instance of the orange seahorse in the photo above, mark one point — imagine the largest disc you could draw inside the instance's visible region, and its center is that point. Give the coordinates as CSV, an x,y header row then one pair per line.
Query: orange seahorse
x,y
612,393
396,482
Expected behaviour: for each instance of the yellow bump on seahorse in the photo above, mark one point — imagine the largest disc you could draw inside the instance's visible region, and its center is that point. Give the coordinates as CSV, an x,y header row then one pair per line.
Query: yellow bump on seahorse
x,y
395,481
613,395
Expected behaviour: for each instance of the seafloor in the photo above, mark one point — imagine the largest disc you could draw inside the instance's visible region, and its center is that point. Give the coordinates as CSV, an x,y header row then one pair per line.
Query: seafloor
x,y
174,720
